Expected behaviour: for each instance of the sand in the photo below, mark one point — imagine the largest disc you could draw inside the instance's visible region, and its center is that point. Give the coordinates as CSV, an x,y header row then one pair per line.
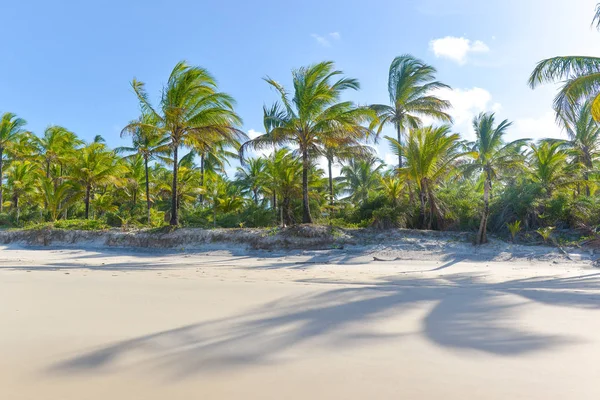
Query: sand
x,y
79,324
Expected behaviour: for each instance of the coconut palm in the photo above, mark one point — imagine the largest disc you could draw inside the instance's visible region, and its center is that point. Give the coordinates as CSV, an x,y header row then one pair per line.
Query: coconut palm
x,y
150,144
314,116
192,112
95,166
22,177
343,151
55,146
58,197
491,157
411,87
584,137
580,77
361,177
432,154
548,166
10,128
251,177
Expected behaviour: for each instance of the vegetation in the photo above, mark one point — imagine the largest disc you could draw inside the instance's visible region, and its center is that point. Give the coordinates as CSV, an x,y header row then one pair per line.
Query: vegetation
x,y
441,181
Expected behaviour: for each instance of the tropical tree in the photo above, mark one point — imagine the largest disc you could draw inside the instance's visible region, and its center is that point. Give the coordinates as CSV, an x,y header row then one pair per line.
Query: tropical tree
x,y
392,188
548,166
55,146
579,75
432,154
58,197
192,112
491,157
150,144
95,166
251,177
361,177
584,137
411,87
10,128
313,117
22,180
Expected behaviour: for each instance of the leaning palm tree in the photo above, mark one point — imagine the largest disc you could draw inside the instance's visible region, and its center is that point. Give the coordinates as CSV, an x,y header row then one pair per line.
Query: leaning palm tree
x,y
580,77
491,157
584,137
148,143
192,112
432,154
10,128
314,116
411,86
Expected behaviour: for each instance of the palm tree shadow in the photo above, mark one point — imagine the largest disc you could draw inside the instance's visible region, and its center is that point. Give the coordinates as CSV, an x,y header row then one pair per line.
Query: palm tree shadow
x,y
467,313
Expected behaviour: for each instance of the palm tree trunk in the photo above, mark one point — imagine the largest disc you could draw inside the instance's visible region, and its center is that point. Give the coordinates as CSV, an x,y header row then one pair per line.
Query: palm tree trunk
x,y
306,217
16,205
481,235
201,176
1,177
174,209
87,201
399,131
330,182
255,195
422,200
147,190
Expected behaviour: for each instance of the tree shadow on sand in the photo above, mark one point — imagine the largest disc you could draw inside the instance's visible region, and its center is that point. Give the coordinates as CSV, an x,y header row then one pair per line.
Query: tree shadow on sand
x,y
461,312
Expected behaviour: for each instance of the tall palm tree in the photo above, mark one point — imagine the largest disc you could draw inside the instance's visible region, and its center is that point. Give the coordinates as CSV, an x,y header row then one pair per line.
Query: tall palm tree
x,y
148,143
95,166
10,128
192,112
491,157
432,154
411,86
584,137
580,77
314,116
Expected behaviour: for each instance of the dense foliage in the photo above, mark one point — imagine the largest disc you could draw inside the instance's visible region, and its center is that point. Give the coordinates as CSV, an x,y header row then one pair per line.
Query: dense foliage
x,y
441,180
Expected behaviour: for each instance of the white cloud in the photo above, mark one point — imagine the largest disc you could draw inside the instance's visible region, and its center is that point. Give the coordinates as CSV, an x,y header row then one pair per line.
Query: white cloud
x,y
457,48
466,104
536,128
325,41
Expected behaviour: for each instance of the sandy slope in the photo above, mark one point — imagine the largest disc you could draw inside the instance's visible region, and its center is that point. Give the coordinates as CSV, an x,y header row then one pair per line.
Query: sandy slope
x,y
117,324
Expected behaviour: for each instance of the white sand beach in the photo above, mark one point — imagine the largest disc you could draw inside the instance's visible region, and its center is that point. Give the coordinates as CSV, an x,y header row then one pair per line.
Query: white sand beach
x,y
123,324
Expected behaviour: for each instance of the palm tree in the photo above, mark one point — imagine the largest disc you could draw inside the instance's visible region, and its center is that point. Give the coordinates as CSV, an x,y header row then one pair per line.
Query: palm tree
x,y
58,197
584,137
95,166
491,156
431,156
22,179
411,86
548,166
10,128
579,75
56,144
192,112
361,177
392,188
251,176
314,116
342,151
148,143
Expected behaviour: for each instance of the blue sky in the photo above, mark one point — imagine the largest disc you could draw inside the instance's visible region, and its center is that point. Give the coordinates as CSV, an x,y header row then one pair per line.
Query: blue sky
x,y
70,62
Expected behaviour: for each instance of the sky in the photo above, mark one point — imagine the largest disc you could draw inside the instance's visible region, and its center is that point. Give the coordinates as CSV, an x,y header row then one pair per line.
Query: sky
x,y
70,63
